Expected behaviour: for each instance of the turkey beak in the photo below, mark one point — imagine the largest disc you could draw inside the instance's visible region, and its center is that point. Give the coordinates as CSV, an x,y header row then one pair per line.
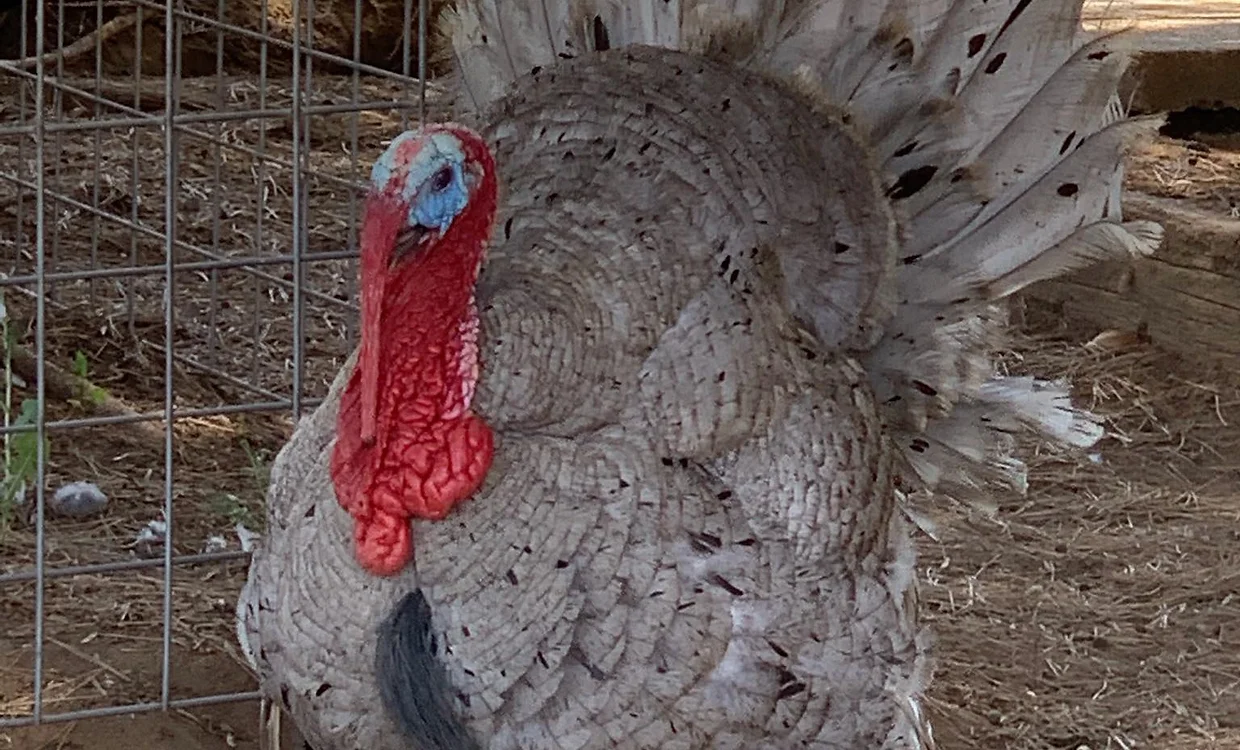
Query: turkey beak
x,y
383,221
410,240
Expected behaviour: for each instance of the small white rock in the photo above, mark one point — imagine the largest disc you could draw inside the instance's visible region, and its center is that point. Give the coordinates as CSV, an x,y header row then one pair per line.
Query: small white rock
x,y
150,539
215,543
78,500
154,531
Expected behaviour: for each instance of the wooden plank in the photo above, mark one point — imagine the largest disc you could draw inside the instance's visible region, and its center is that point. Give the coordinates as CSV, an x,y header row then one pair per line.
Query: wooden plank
x,y
1170,25
1187,295
1161,13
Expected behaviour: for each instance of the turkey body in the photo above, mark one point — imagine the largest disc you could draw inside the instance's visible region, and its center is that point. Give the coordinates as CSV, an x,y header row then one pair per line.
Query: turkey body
x,y
733,292
667,552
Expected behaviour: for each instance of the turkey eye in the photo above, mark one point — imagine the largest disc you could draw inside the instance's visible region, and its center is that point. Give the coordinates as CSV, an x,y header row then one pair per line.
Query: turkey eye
x,y
441,180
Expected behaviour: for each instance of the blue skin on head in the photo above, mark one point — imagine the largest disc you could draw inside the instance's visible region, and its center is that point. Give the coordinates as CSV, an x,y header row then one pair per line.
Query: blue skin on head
x,y
429,171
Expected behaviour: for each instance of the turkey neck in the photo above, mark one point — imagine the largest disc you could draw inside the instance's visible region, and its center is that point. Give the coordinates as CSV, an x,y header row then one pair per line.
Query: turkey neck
x,y
428,371
427,306
423,358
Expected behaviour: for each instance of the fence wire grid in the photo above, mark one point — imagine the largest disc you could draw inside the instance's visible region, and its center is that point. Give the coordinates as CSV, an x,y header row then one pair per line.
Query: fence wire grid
x,y
179,191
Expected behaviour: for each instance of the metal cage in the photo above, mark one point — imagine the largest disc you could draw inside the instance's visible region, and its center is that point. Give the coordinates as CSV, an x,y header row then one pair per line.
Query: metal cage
x,y
179,193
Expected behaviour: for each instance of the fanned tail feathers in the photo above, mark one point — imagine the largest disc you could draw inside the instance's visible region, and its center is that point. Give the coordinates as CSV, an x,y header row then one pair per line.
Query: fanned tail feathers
x,y
1000,135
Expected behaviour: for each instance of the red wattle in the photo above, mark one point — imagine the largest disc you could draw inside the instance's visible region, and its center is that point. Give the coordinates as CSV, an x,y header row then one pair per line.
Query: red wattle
x,y
425,473
407,445
383,544
422,466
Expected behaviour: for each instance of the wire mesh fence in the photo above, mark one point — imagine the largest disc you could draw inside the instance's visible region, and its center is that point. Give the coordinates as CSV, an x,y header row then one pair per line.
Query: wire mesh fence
x,y
179,194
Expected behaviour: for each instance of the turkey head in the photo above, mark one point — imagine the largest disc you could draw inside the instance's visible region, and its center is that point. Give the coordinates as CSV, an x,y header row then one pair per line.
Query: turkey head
x,y
407,444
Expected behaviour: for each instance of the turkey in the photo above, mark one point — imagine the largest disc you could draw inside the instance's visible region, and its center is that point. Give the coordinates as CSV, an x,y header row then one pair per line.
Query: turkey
x,y
656,341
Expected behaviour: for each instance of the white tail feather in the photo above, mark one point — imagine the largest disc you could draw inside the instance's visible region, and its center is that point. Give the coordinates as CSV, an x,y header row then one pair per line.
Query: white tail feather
x,y
1041,405
1094,243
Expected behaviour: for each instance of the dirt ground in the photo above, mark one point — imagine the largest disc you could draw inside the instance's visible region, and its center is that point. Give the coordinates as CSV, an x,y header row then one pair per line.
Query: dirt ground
x,y
1096,612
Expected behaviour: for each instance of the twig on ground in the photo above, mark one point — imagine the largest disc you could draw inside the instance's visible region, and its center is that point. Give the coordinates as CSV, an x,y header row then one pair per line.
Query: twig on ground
x,y
95,660
78,48
66,386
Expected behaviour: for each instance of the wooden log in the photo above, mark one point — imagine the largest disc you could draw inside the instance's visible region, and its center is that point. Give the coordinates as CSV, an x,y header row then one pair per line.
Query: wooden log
x,y
1187,295
1167,81
1190,50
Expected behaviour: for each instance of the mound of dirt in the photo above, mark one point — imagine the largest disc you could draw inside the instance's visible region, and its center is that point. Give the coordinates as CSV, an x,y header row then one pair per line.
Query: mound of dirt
x,y
124,38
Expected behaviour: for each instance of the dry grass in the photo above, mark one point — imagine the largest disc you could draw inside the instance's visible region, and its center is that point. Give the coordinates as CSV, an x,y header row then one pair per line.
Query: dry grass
x,y
1095,612
1202,173
1099,611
